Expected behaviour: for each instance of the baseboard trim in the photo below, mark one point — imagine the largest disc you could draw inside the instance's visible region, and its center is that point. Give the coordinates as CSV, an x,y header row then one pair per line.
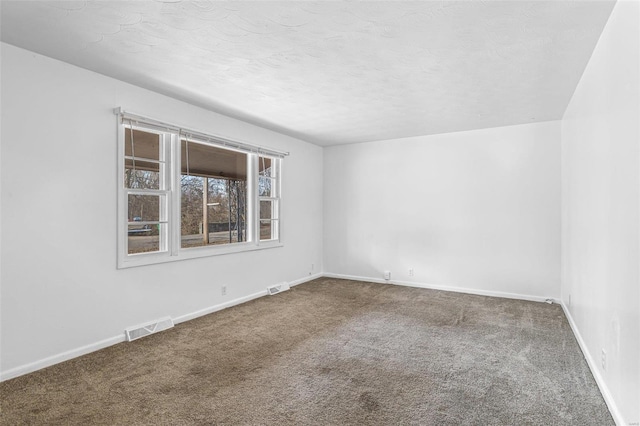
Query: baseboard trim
x,y
443,287
238,301
92,347
306,279
219,307
593,366
56,359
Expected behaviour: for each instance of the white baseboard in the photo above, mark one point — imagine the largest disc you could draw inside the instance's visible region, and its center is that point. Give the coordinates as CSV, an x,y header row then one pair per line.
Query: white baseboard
x,y
92,347
445,288
237,301
219,307
593,366
306,279
64,356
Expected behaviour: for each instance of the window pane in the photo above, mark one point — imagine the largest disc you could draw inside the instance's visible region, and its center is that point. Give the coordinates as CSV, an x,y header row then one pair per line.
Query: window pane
x,y
225,211
264,166
144,175
191,206
268,230
265,187
209,161
145,144
145,238
268,209
145,208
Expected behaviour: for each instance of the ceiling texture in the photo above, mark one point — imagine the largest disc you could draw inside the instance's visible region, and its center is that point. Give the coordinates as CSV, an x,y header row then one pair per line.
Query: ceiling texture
x,y
331,72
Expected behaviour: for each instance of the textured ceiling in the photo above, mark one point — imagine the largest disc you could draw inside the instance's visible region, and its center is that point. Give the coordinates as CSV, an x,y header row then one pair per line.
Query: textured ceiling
x,y
331,72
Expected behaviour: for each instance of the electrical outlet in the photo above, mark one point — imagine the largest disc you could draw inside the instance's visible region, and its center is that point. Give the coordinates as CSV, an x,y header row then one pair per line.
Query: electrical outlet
x,y
569,301
604,360
410,272
311,269
224,290
387,275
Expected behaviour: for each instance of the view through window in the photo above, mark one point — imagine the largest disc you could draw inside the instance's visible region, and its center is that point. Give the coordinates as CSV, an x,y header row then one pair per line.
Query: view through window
x,y
213,195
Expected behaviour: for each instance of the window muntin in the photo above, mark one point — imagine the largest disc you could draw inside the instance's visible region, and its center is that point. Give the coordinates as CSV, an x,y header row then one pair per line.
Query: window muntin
x,y
163,178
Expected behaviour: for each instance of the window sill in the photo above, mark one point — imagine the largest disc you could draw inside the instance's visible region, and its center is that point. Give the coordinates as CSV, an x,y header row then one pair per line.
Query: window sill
x,y
193,253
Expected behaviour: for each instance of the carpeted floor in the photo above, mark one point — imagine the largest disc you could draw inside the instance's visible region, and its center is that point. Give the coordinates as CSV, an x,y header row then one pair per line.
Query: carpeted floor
x,y
330,352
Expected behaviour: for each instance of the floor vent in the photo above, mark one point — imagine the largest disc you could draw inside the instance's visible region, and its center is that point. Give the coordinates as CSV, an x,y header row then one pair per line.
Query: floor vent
x,y
278,288
139,331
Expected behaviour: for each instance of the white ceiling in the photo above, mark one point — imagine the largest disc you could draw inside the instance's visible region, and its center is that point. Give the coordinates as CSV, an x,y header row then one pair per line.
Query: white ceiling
x,y
331,72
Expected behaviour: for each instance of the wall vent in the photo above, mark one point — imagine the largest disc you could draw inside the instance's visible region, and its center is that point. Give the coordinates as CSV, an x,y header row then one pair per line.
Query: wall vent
x,y
139,331
278,288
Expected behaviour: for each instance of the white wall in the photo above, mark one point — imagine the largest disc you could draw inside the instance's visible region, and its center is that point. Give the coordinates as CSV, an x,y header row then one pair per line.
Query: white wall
x,y
60,287
476,210
600,210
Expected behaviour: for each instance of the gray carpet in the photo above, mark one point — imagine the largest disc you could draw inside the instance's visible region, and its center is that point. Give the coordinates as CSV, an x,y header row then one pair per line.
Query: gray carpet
x,y
330,352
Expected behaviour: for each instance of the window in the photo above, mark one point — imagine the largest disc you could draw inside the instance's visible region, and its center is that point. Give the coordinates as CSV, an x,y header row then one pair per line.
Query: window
x,y
145,191
213,195
268,195
185,194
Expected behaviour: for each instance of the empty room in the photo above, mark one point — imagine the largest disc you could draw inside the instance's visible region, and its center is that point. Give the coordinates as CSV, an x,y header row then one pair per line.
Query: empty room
x,y
320,212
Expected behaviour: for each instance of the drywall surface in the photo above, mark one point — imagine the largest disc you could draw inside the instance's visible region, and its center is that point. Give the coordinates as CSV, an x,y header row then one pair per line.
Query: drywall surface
x,y
477,210
60,287
600,212
334,71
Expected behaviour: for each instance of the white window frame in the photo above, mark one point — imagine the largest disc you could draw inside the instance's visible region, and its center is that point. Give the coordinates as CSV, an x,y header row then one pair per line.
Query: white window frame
x,y
274,197
170,188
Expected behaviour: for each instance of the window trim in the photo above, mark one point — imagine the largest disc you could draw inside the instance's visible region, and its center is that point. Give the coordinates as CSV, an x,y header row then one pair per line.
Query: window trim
x,y
170,183
275,197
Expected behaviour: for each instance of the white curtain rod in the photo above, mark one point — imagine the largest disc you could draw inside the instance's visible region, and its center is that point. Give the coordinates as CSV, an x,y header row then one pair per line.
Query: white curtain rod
x,y
196,136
